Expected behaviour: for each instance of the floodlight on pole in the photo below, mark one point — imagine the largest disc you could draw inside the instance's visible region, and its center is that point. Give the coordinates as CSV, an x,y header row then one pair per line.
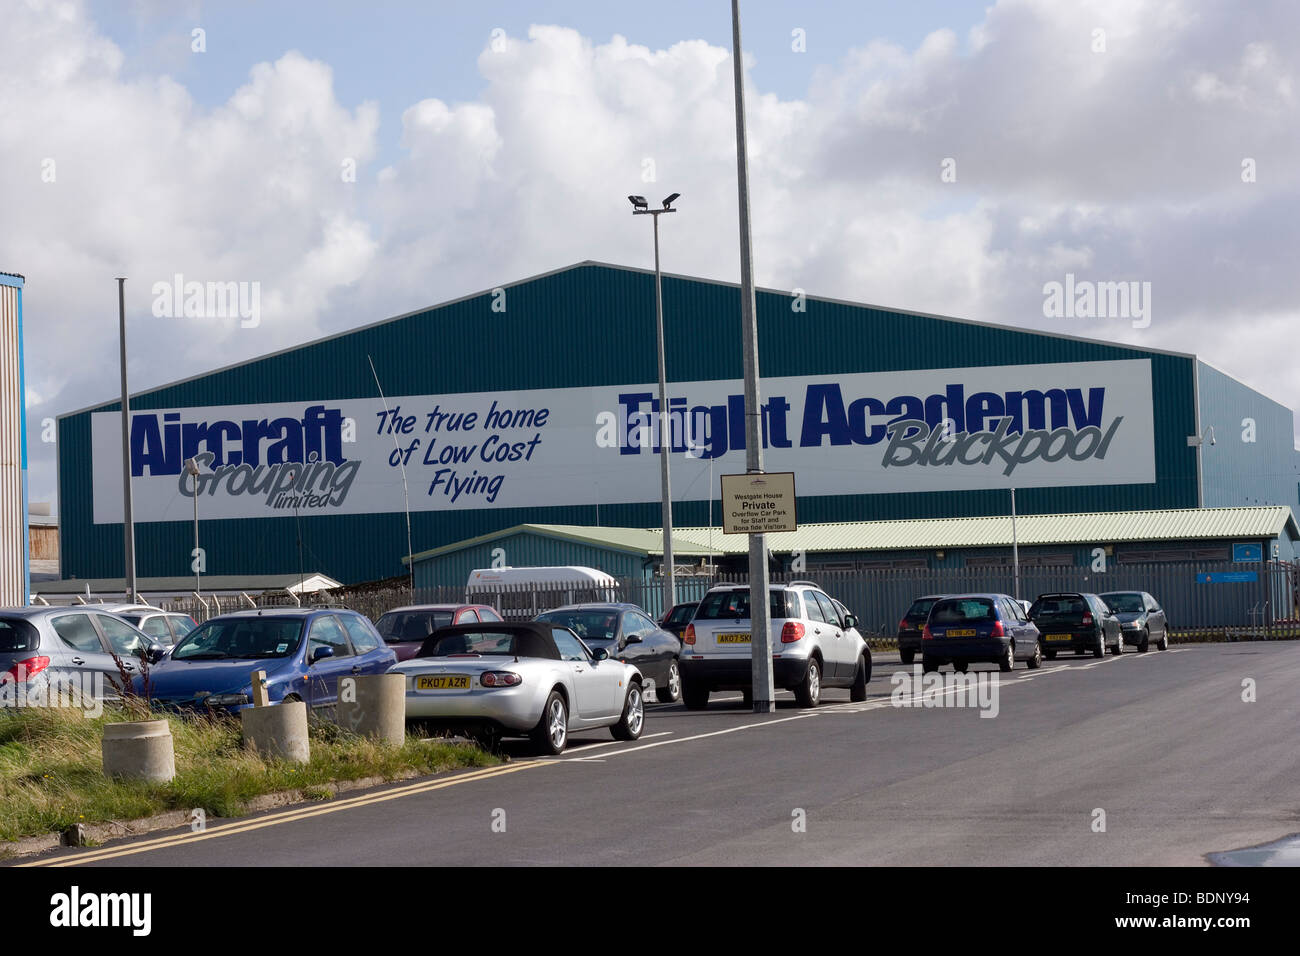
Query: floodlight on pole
x,y
642,208
192,469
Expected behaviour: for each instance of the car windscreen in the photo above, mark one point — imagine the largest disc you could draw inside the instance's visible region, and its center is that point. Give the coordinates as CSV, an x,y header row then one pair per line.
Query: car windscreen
x,y
733,605
589,624
1124,603
411,625
682,614
17,634
486,643
242,638
962,611
1061,605
920,609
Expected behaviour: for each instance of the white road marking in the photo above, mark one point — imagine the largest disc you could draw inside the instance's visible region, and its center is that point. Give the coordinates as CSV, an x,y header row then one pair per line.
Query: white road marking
x,y
714,733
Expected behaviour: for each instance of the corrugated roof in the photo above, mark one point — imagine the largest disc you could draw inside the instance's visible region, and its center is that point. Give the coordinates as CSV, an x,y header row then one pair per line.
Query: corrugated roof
x,y
933,533
211,582
993,531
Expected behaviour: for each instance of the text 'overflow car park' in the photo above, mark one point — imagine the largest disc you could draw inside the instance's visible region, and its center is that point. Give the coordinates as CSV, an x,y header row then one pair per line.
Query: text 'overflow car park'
x,y
815,643
967,629
627,633
1075,621
1142,620
303,651
533,679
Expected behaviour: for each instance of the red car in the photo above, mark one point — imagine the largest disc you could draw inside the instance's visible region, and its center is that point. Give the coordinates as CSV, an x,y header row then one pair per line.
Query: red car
x,y
405,628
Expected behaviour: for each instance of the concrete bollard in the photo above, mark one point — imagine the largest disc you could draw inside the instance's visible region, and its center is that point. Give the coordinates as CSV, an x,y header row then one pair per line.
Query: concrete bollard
x,y
139,750
374,705
277,731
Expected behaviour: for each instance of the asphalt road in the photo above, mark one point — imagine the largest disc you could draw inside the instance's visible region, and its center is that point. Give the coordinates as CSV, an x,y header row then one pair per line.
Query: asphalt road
x,y
1163,743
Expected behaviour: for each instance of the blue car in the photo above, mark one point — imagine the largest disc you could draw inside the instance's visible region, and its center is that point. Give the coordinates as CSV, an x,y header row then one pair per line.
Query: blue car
x,y
303,651
964,629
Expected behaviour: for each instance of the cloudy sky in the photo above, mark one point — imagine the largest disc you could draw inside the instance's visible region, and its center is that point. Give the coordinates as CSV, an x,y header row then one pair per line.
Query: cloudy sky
x,y
363,160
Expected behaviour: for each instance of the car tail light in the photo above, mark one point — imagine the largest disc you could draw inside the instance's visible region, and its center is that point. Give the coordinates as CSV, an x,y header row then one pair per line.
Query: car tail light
x,y
689,636
998,629
23,670
1087,619
925,633
500,679
793,631
902,625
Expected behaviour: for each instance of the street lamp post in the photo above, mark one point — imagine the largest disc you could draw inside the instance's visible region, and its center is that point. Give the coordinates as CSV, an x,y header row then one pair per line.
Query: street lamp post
x,y
128,517
641,208
192,469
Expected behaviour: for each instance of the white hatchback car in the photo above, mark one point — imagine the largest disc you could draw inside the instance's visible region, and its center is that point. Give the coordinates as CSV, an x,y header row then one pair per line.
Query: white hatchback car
x,y
815,644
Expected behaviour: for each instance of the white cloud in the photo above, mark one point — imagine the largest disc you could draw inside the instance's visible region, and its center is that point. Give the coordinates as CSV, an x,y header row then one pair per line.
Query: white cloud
x,y
1123,164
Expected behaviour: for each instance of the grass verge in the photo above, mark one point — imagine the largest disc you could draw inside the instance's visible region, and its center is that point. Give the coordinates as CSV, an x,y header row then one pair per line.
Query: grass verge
x,y
51,769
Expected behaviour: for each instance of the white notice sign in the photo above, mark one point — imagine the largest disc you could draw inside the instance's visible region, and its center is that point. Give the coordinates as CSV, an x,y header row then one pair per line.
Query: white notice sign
x,y
758,504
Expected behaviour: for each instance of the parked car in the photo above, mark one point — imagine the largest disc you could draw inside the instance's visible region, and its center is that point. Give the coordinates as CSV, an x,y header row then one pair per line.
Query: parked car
x,y
534,679
965,629
1074,621
812,645
165,627
1141,620
629,634
304,652
910,625
678,616
37,643
405,629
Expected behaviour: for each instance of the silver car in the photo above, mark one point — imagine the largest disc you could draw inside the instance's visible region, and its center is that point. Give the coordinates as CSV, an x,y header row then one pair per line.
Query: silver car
x,y
165,627
73,644
532,679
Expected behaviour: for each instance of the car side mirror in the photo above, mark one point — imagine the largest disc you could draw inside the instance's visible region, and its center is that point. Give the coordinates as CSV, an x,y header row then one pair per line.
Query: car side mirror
x,y
320,654
850,621
600,654
154,653
632,639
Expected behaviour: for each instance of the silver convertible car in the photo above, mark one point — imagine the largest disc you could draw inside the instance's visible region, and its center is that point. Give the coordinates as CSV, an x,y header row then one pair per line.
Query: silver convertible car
x,y
533,679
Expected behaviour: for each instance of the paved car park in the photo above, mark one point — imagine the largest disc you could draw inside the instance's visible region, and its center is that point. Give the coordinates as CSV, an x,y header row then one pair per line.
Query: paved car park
x,y
1154,742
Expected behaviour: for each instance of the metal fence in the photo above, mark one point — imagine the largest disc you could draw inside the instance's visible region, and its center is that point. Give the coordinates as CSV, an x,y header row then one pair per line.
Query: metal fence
x,y
1200,600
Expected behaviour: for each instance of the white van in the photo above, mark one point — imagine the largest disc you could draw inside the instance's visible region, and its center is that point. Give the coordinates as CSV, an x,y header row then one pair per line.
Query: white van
x,y
523,593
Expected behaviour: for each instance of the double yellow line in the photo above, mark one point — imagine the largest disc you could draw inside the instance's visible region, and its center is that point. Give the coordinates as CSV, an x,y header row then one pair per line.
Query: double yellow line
x,y
287,816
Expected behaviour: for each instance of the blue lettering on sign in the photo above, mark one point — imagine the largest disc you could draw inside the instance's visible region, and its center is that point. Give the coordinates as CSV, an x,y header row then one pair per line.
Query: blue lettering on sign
x,y
161,443
1057,422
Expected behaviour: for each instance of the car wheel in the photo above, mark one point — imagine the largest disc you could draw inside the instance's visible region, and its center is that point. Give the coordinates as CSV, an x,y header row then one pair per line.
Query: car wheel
x,y
928,665
858,692
552,730
1100,649
809,692
907,656
1164,642
960,666
631,723
695,696
1036,661
1008,659
671,691
1145,643
1118,649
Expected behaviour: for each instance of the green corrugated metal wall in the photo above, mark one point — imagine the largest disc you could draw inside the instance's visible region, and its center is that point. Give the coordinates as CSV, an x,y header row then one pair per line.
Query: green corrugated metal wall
x,y
532,345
